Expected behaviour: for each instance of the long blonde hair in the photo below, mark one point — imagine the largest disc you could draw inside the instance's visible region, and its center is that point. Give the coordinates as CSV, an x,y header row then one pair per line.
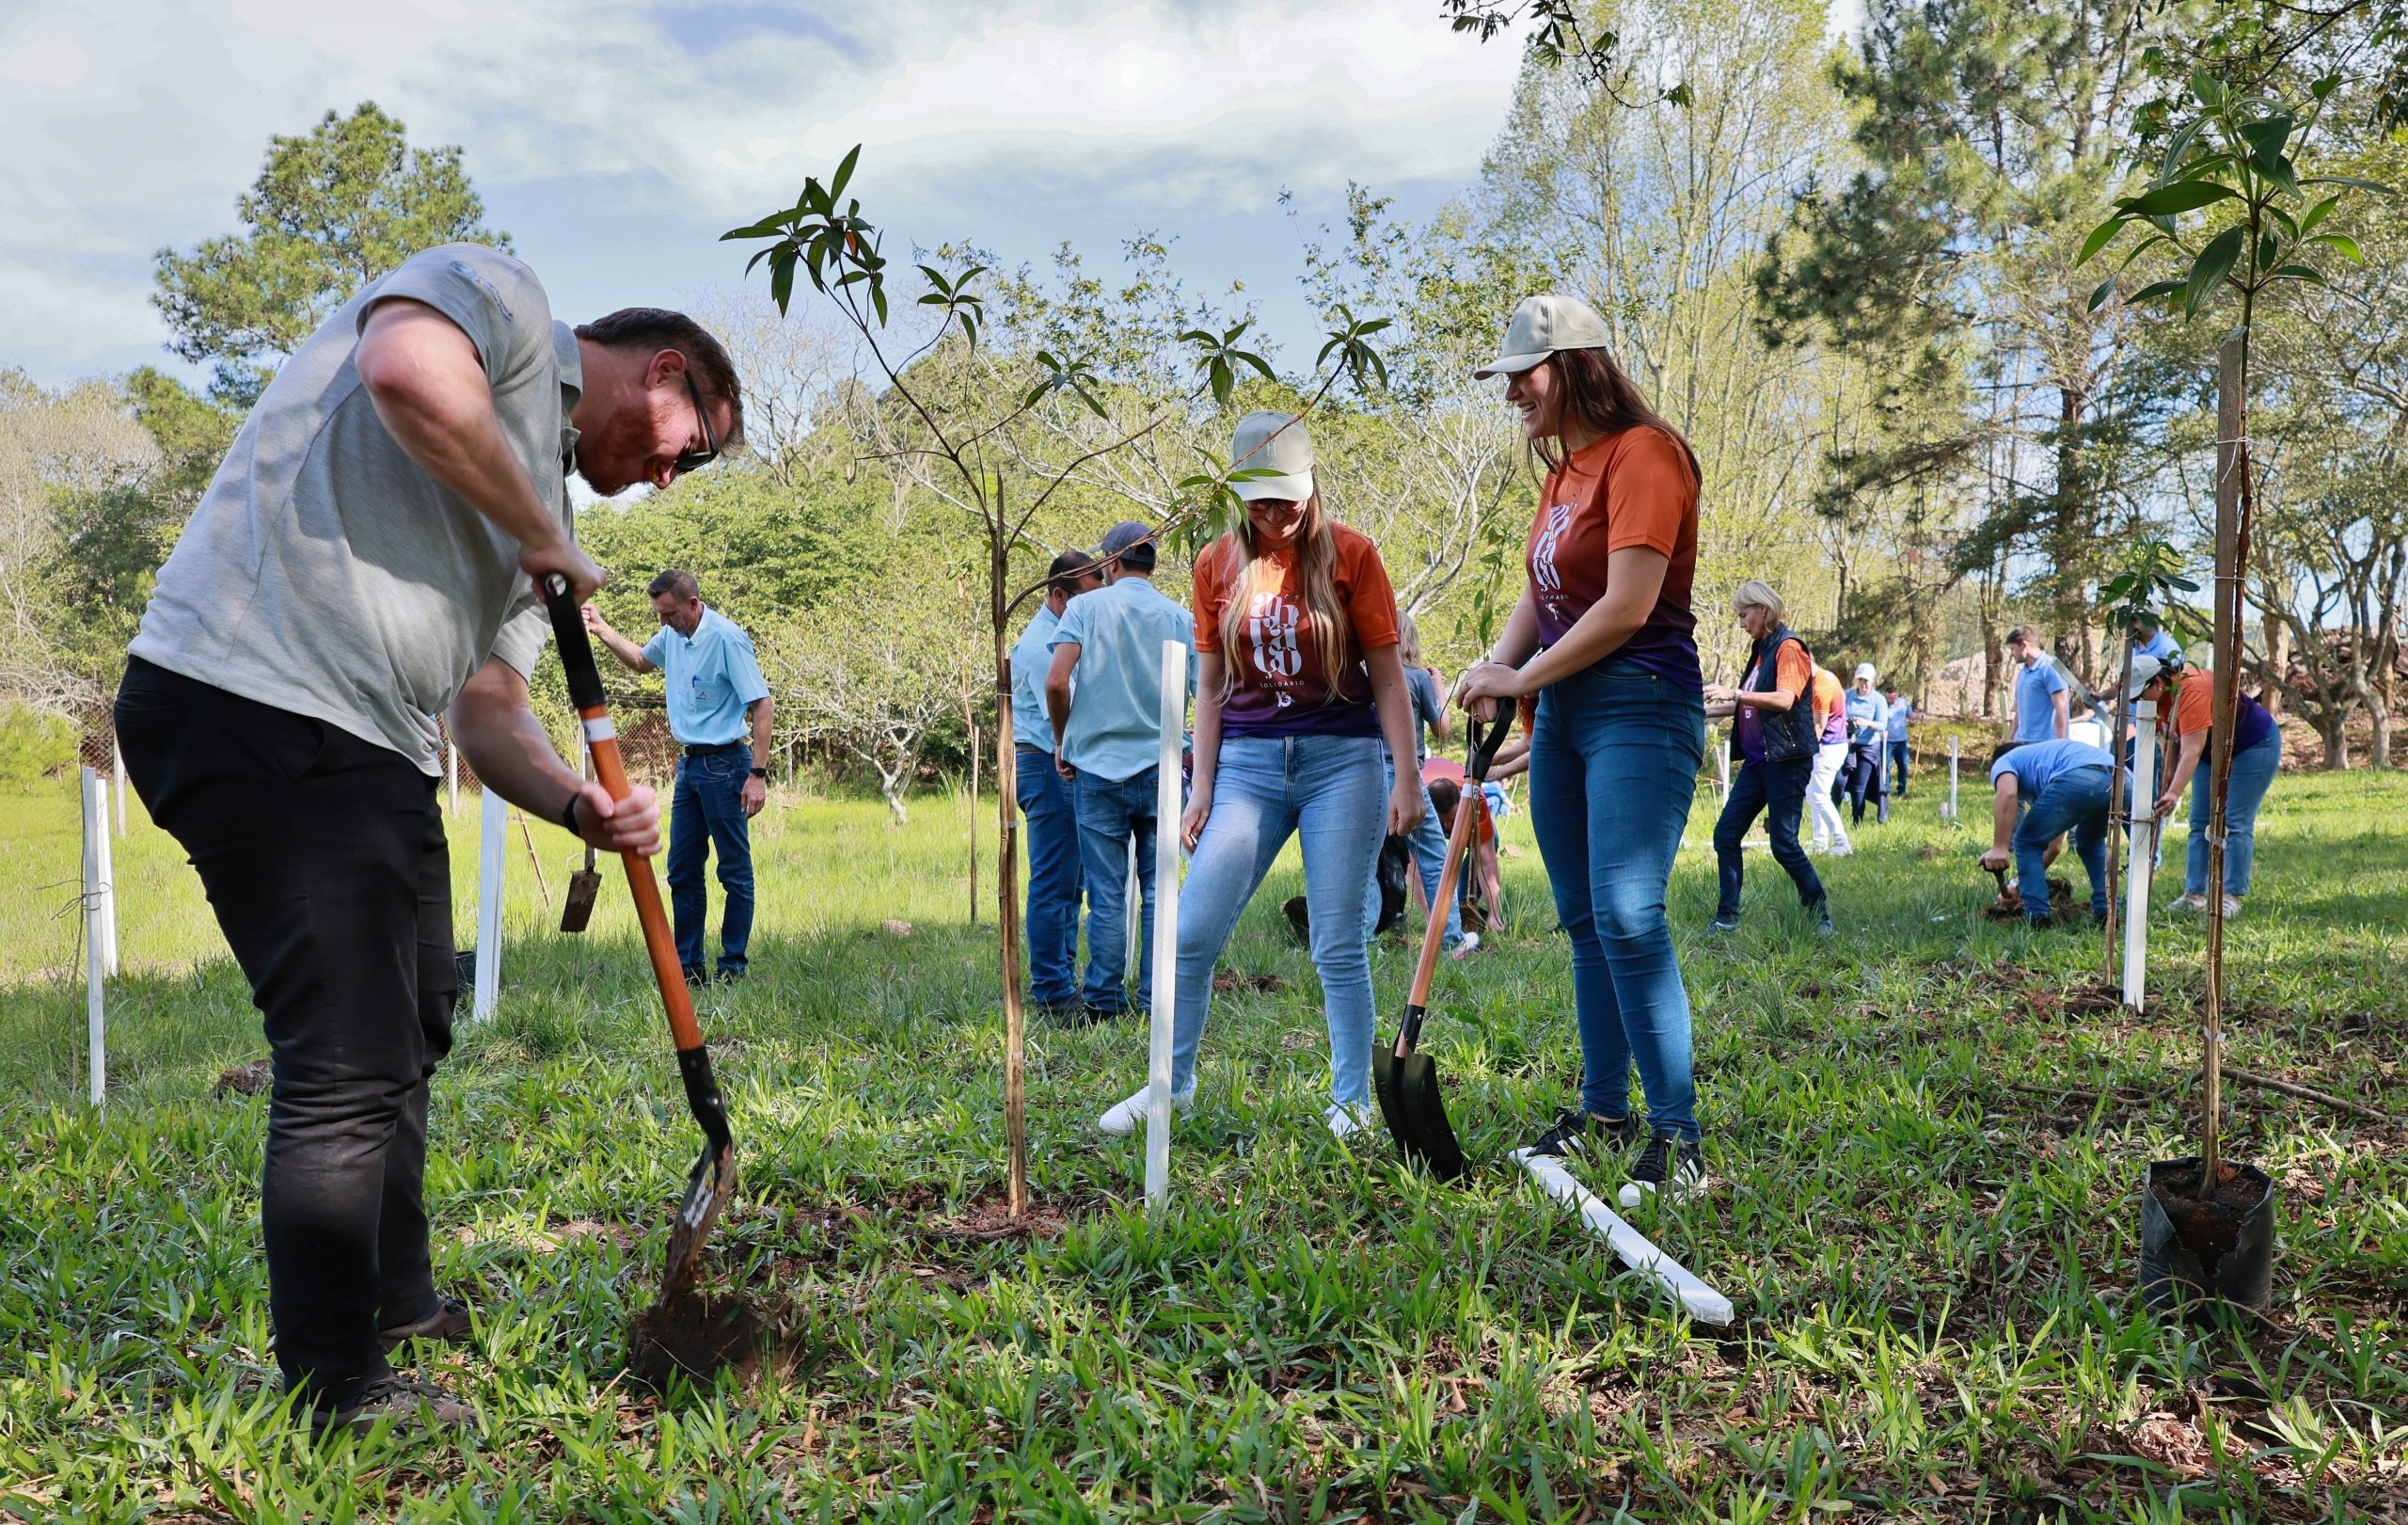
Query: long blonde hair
x,y
1316,548
1408,640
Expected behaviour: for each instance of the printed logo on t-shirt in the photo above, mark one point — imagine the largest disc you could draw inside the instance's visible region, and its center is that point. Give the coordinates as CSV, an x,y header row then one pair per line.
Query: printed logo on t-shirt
x,y
476,278
1272,622
1543,574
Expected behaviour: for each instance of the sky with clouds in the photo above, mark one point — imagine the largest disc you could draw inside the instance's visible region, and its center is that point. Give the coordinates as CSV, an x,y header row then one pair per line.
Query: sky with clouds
x,y
615,139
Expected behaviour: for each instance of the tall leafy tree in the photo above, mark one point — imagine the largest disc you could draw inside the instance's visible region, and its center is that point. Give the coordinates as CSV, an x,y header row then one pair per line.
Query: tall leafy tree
x,y
333,209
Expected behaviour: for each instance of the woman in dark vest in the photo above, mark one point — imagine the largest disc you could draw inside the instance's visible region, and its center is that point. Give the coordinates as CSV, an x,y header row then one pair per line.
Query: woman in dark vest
x,y
1773,736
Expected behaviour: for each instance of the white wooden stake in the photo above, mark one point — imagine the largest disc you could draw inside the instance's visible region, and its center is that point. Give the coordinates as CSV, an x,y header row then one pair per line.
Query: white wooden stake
x,y
1635,1249
452,773
1166,996
105,886
1722,764
2141,848
95,972
493,856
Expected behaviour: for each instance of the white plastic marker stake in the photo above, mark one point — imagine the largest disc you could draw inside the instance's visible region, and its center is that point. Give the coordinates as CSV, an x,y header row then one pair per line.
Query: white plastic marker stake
x,y
1166,811
105,886
1951,812
1635,1249
2141,848
452,773
95,974
1136,921
1722,764
493,854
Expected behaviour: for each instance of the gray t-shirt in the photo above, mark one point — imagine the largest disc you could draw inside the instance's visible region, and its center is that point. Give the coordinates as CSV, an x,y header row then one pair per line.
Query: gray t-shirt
x,y
325,573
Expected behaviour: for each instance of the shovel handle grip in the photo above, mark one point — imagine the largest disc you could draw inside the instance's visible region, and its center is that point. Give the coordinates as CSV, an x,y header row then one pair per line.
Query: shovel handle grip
x,y
602,745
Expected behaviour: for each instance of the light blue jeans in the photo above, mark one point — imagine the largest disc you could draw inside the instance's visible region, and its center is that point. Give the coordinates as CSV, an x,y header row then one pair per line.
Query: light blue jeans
x,y
1613,769
1327,792
1429,858
2253,774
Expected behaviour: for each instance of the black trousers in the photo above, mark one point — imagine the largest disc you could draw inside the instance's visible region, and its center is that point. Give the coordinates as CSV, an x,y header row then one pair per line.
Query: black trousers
x,y
325,860
1776,790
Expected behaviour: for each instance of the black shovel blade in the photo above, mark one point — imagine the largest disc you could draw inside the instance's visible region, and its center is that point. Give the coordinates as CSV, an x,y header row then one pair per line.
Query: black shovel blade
x,y
1425,1114
577,909
1383,1086
708,1189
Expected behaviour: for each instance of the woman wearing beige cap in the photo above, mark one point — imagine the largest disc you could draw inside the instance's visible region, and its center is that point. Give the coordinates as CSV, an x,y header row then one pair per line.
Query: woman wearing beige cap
x,y
1295,638
1604,636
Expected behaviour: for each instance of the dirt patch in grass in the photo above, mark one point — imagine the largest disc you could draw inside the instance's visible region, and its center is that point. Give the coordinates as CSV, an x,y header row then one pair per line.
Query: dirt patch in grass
x,y
1233,984
244,1079
697,1337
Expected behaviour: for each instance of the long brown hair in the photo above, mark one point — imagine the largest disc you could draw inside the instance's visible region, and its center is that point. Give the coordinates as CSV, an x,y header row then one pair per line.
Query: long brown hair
x,y
1316,548
1601,395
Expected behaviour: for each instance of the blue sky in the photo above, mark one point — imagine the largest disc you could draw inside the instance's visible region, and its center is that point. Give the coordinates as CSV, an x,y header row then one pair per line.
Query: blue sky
x,y
615,139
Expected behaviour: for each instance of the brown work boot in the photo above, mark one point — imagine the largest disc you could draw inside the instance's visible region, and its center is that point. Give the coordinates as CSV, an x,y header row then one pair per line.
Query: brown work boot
x,y
447,1324
404,1404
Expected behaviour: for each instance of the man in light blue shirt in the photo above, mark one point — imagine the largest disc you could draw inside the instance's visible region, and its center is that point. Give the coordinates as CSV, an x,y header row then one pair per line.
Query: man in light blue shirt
x,y
1108,744
719,713
1046,802
2043,700
2054,786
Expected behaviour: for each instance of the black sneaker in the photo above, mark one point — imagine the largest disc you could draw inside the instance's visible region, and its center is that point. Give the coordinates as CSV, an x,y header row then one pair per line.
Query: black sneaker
x,y
1576,1131
696,977
1091,1014
448,1324
728,977
1069,1013
1666,1159
407,1405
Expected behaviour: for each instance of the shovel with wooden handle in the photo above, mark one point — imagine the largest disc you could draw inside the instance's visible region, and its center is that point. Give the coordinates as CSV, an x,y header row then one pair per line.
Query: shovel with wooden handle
x,y
1405,1079
583,886
713,1178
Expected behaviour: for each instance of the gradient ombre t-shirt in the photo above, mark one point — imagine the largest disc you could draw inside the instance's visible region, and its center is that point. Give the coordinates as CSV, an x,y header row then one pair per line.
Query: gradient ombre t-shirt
x,y
1278,686
1632,487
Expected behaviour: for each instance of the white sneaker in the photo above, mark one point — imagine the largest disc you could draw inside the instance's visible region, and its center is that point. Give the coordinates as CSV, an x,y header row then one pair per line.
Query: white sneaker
x,y
1346,1120
2231,906
1464,946
2188,905
1126,1116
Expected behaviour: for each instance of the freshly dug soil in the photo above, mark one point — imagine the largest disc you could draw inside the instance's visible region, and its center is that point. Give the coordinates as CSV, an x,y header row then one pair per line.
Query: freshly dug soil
x,y
696,1338
2211,1225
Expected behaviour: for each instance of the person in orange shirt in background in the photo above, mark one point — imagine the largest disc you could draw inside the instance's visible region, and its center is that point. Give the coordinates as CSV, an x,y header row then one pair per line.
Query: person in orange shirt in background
x,y
1295,638
1776,733
1604,636
1830,753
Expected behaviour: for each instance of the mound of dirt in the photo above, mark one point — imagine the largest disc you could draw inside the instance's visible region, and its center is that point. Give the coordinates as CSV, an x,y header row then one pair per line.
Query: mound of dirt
x,y
697,1338
2209,1223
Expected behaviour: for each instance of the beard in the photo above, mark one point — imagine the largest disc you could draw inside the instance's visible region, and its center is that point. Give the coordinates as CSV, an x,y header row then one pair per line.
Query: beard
x,y
604,454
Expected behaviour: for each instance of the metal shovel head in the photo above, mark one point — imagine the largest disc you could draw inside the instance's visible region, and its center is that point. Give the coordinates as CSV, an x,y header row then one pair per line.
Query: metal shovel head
x,y
577,909
708,1189
1425,1113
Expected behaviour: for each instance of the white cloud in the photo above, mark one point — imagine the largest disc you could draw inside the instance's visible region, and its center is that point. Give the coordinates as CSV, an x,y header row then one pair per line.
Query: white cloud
x,y
147,117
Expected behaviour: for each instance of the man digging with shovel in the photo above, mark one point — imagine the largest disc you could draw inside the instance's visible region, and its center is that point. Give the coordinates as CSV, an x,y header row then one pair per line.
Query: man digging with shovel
x,y
363,559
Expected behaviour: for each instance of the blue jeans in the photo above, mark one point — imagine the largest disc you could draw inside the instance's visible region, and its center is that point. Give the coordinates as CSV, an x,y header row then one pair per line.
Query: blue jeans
x,y
2253,773
1898,770
1865,778
2074,801
1776,790
1112,813
1325,790
1614,767
1053,878
1429,857
706,812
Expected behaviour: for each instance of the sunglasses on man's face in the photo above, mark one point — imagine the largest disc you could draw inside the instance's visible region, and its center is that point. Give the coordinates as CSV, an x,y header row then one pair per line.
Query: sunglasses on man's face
x,y
694,460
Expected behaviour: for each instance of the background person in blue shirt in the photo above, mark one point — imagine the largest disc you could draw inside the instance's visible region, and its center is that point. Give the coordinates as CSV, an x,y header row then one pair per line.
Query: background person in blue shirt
x,y
1045,799
2047,788
1902,710
1868,745
716,695
1107,740
2043,702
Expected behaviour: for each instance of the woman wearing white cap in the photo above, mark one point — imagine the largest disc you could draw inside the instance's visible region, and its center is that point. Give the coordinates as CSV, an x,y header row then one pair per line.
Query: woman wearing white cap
x,y
1295,638
1605,637
1868,745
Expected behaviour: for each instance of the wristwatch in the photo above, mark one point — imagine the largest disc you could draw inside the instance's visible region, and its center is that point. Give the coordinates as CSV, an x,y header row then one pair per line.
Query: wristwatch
x,y
760,773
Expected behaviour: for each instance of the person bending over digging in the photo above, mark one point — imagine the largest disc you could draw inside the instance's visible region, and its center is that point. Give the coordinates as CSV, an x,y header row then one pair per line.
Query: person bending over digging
x,y
1295,638
2047,790
1604,636
364,558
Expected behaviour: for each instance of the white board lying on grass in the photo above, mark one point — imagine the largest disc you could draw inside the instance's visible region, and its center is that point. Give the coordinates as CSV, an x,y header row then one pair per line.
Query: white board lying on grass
x,y
1635,1249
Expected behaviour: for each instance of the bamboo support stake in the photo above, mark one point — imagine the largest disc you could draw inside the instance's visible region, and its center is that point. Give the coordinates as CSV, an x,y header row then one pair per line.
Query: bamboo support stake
x,y
529,838
2232,490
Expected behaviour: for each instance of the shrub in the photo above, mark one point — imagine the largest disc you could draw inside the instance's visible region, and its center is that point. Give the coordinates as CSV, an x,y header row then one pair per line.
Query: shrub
x,y
32,746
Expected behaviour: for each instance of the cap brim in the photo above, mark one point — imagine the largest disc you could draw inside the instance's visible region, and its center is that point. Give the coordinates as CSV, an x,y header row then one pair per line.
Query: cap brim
x,y
1294,488
1506,365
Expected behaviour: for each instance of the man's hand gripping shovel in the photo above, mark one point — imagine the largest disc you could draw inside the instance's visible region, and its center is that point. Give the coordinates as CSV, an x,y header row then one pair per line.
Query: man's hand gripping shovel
x,y
713,1179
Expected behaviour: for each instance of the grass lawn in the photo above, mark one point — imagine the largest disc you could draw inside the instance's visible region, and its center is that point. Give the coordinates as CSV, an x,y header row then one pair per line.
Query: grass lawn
x,y
1926,1146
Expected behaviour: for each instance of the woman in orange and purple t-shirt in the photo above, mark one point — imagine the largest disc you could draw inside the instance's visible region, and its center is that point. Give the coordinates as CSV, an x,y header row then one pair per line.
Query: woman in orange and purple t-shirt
x,y
1605,637
1295,637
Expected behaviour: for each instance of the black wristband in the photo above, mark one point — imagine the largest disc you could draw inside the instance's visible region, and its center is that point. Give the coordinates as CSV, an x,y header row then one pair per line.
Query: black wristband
x,y
568,815
760,773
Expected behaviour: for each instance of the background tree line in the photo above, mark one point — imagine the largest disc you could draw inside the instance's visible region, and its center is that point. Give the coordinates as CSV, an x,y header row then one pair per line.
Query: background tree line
x,y
1845,270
